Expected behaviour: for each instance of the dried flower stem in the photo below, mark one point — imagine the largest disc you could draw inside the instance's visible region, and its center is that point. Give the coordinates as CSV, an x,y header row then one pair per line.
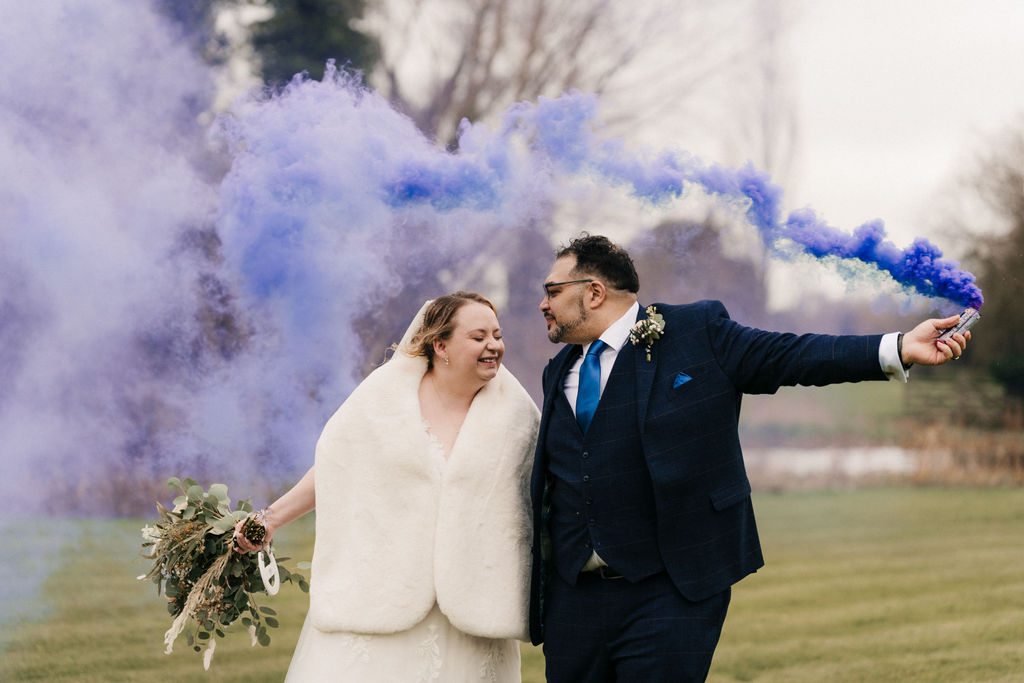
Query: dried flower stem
x,y
194,597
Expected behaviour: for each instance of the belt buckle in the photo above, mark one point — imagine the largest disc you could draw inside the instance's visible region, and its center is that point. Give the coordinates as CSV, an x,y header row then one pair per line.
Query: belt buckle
x,y
606,572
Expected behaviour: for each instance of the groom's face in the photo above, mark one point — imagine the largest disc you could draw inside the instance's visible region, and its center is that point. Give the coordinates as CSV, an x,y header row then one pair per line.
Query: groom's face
x,y
562,305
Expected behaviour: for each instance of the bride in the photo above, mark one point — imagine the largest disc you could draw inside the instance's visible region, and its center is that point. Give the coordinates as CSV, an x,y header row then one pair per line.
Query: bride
x,y
421,563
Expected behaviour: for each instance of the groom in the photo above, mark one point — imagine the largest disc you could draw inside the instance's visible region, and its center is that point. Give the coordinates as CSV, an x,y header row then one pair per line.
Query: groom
x,y
641,503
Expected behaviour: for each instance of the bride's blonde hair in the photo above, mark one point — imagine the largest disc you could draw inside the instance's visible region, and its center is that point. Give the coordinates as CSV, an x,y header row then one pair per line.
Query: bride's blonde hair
x,y
439,322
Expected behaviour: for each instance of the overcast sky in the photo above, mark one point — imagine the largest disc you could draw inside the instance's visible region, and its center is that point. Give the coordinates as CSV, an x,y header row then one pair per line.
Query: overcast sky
x,y
894,96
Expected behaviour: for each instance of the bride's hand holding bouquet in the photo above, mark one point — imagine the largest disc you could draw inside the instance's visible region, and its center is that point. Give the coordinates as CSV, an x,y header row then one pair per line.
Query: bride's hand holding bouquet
x,y
207,574
254,532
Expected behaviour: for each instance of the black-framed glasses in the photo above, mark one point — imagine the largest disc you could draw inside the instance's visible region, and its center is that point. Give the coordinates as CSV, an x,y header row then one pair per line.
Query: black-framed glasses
x,y
549,285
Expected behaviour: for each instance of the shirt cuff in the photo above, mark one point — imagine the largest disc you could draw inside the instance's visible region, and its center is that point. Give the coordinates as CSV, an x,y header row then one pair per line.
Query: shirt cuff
x,y
889,358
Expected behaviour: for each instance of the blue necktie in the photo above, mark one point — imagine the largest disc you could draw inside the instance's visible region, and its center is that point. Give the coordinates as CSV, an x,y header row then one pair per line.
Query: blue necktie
x,y
590,385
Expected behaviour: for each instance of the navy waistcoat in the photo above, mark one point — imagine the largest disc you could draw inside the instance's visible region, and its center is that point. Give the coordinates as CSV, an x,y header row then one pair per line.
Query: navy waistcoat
x,y
600,490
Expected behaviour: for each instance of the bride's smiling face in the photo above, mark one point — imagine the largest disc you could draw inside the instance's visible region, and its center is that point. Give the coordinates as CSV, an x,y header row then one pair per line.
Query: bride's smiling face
x,y
475,348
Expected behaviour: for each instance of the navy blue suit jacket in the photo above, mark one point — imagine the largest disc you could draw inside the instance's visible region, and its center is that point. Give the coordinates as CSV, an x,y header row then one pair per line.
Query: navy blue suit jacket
x,y
687,408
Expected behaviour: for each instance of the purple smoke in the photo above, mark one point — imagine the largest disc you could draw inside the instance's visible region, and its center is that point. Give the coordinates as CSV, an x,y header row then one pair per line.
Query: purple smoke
x,y
560,132
172,307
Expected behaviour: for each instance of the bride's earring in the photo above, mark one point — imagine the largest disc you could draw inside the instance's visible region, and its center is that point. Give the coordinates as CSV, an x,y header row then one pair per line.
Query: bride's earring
x,y
446,359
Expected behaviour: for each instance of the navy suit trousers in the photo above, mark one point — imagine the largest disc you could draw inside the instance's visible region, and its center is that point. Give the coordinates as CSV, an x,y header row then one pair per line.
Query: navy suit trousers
x,y
607,630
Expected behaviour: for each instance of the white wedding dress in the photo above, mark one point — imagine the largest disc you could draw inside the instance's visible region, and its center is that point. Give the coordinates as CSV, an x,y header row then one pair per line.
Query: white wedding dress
x,y
432,650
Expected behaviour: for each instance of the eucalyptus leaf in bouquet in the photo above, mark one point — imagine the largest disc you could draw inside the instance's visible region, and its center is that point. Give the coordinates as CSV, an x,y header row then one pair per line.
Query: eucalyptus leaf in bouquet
x,y
207,584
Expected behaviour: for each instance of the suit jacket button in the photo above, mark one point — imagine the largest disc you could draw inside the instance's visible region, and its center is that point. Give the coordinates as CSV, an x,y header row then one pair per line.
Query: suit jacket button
x,y
586,477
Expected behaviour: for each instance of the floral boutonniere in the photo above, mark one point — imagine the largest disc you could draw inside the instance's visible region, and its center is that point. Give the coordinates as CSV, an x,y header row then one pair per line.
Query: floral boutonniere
x,y
648,330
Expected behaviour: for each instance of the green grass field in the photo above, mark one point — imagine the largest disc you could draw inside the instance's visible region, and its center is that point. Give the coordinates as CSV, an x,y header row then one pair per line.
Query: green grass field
x,y
896,584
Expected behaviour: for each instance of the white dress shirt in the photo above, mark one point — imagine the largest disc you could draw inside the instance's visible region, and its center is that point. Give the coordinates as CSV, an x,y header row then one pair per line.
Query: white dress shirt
x,y
615,337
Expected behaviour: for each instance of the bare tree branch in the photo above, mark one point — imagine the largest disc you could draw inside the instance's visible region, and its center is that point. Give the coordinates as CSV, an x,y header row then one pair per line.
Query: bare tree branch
x,y
448,59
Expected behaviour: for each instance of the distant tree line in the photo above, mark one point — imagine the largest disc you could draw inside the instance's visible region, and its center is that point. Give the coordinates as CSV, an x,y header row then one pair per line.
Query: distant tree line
x,y
998,257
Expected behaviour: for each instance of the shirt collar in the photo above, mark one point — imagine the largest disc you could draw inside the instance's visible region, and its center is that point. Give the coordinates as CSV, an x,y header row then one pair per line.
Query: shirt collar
x,y
618,332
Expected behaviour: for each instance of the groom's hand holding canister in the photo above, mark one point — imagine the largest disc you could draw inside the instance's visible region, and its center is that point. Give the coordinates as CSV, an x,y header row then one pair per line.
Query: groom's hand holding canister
x,y
924,346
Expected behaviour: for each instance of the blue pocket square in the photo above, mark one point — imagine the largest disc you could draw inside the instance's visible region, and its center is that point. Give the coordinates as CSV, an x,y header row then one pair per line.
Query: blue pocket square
x,y
681,379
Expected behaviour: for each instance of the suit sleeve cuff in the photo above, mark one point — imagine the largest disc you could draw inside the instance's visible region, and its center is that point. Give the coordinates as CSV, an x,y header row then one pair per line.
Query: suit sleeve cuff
x,y
889,358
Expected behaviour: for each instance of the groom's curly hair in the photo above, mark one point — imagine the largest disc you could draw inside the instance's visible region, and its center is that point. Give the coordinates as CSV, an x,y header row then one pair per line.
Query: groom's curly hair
x,y
599,256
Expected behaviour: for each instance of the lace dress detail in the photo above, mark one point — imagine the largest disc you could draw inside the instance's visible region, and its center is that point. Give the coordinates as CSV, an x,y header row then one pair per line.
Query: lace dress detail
x,y
436,447
496,660
354,648
432,651
430,654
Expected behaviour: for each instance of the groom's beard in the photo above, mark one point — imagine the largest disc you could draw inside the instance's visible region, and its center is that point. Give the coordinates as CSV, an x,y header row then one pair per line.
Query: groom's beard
x,y
559,332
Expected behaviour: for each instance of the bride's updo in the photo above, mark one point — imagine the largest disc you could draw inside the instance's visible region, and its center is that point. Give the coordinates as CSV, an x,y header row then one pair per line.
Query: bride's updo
x,y
439,322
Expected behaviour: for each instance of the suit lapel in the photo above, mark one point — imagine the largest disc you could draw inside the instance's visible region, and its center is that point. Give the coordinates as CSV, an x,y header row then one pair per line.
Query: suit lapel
x,y
644,374
555,380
